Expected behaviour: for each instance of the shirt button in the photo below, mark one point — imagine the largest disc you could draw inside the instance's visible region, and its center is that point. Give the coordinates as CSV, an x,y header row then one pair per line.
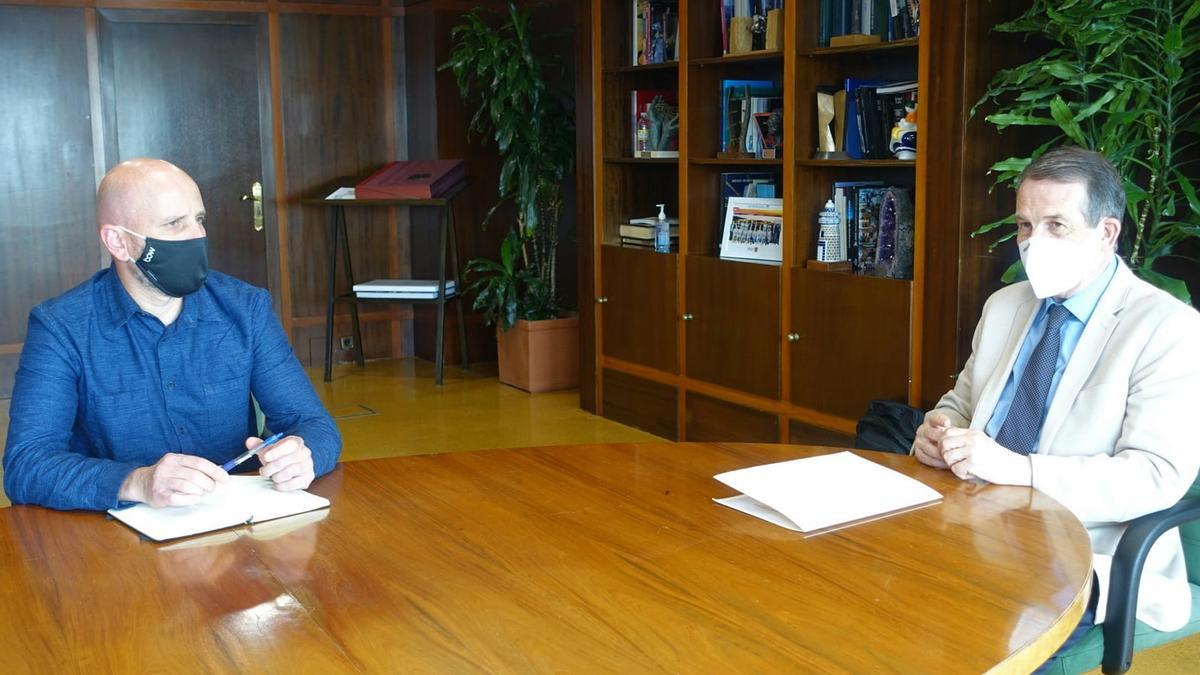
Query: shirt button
x,y
181,430
171,384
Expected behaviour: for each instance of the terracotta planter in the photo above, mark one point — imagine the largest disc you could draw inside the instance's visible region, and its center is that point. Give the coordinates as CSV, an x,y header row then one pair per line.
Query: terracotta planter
x,y
540,355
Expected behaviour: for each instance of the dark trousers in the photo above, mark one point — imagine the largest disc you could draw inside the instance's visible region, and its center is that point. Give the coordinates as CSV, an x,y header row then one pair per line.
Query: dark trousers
x,y
1086,622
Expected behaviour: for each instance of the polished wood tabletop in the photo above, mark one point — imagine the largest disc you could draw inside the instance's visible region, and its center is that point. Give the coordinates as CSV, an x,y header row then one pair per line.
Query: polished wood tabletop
x,y
567,559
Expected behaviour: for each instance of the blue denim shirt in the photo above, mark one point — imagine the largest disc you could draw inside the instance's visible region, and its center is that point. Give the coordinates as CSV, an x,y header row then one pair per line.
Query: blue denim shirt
x,y
104,388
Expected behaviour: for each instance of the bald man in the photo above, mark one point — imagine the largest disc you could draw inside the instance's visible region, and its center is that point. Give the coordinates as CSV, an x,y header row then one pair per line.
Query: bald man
x,y
135,385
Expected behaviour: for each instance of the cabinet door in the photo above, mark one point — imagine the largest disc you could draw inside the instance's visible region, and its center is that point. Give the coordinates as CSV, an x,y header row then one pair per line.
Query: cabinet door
x,y
852,345
733,336
640,312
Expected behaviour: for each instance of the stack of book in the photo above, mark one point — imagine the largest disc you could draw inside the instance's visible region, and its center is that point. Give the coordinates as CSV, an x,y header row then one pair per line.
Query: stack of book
x,y
865,112
880,19
876,234
639,233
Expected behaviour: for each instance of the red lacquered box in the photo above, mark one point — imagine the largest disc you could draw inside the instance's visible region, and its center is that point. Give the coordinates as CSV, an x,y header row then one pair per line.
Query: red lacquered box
x,y
418,179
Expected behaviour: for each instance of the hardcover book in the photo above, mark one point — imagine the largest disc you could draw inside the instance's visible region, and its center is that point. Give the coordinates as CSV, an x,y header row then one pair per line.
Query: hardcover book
x,y
417,179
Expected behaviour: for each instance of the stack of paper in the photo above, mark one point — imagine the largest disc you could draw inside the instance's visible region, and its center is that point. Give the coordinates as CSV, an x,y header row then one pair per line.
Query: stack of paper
x,y
822,493
242,500
396,289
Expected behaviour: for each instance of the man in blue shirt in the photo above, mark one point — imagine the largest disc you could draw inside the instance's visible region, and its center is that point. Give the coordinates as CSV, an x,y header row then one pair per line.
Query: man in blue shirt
x,y
136,385
1081,382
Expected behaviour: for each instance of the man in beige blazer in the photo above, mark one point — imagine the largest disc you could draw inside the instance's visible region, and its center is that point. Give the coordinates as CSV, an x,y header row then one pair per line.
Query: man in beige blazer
x,y
1113,436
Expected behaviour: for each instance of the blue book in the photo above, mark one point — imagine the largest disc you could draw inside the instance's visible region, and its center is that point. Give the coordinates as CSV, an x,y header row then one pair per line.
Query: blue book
x,y
761,184
852,143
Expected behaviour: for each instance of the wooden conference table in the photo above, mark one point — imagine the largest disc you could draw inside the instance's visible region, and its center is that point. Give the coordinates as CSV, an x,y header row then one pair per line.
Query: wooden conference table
x,y
566,559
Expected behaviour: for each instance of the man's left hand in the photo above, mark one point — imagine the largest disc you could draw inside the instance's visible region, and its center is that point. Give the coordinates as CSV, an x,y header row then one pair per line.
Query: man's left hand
x,y
288,463
973,454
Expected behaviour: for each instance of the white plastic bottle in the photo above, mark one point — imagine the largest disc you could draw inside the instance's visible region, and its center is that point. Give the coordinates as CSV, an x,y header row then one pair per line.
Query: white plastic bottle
x,y
662,231
829,235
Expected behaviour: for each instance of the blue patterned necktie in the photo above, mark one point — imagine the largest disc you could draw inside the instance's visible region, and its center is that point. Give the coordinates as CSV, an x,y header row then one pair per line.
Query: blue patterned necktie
x,y
1023,425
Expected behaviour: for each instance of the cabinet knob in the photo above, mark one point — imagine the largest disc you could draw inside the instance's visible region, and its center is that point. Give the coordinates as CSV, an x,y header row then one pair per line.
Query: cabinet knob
x,y
688,317
793,337
601,300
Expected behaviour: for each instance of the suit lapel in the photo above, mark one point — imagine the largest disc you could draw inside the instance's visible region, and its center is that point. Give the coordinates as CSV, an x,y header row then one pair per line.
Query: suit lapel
x,y
1021,321
1083,360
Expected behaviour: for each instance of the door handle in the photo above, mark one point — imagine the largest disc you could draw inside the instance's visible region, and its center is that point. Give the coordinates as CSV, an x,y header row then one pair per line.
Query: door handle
x,y
688,317
256,196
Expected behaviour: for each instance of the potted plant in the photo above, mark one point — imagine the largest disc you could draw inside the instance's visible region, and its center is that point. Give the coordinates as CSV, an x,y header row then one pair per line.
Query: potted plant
x,y
499,73
1120,78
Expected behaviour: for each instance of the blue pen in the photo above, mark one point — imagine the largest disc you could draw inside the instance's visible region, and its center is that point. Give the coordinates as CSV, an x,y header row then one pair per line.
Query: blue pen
x,y
250,453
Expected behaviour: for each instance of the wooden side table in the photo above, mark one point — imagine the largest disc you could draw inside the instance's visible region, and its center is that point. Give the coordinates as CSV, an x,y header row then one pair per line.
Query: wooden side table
x,y
447,243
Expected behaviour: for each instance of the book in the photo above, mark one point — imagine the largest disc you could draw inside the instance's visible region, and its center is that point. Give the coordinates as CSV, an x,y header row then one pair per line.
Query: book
x,y
655,31
414,179
845,200
644,231
753,230
853,142
824,493
242,500
383,289
661,108
762,184
737,100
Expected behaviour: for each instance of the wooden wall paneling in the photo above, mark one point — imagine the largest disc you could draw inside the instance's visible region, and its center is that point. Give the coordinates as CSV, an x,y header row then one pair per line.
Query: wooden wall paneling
x,y
710,419
641,311
585,174
649,406
437,128
733,339
807,434
853,345
335,122
48,240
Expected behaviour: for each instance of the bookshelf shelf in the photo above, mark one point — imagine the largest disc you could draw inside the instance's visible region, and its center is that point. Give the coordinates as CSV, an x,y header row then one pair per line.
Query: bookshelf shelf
x,y
717,161
743,58
641,160
893,45
857,163
650,67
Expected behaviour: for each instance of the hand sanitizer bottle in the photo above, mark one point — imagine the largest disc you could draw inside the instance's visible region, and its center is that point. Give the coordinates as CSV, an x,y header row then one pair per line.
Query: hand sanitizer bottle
x,y
662,231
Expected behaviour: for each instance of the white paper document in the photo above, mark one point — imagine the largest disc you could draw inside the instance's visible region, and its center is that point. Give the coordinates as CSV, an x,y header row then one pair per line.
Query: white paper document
x,y
241,501
817,494
342,193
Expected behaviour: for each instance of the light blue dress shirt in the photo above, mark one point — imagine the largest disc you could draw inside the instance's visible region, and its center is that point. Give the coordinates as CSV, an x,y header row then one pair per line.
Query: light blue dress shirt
x,y
1080,308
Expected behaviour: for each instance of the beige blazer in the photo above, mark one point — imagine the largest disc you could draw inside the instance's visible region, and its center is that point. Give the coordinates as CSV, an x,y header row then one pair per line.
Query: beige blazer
x,y
1122,434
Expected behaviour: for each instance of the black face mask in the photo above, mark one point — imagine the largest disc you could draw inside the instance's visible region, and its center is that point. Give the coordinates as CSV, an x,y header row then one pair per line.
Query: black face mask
x,y
177,268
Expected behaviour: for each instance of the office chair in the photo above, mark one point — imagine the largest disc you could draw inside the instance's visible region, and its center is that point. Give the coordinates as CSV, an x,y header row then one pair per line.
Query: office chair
x,y
1111,645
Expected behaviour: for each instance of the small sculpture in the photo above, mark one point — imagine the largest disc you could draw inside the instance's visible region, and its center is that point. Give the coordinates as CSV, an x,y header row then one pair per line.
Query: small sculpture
x,y
664,123
904,135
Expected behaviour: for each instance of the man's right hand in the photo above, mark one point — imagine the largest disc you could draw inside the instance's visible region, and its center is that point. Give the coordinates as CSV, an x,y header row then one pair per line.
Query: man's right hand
x,y
926,446
174,480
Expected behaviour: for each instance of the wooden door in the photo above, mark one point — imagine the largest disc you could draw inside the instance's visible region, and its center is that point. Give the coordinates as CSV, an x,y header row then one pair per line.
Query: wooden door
x,y
640,313
191,89
733,337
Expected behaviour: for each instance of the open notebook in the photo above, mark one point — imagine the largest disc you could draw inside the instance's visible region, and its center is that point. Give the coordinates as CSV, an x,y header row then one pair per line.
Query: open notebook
x,y
241,501
823,493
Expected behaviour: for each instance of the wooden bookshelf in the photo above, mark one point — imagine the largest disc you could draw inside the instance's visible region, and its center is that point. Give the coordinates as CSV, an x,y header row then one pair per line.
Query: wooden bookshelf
x,y
785,353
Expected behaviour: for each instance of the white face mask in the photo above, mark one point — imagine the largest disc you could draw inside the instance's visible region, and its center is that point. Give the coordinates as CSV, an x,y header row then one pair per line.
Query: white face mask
x,y
1055,266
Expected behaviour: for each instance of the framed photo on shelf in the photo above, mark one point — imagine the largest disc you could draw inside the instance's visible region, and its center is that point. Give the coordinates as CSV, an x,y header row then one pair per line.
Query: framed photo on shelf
x,y
753,230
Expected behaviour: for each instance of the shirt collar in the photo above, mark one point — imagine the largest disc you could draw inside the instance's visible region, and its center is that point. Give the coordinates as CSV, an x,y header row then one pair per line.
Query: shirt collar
x,y
1083,304
121,306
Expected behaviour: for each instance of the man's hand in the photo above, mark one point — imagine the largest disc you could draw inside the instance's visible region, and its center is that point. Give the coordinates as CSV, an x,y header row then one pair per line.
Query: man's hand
x,y
973,454
174,480
288,463
926,447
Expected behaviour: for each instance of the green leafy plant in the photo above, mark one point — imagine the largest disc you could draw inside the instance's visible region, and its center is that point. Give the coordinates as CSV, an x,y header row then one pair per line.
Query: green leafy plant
x,y
1122,77
499,73
506,291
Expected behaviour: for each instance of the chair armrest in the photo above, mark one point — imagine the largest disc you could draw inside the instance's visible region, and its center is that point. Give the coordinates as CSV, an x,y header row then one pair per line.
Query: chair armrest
x,y
1127,565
